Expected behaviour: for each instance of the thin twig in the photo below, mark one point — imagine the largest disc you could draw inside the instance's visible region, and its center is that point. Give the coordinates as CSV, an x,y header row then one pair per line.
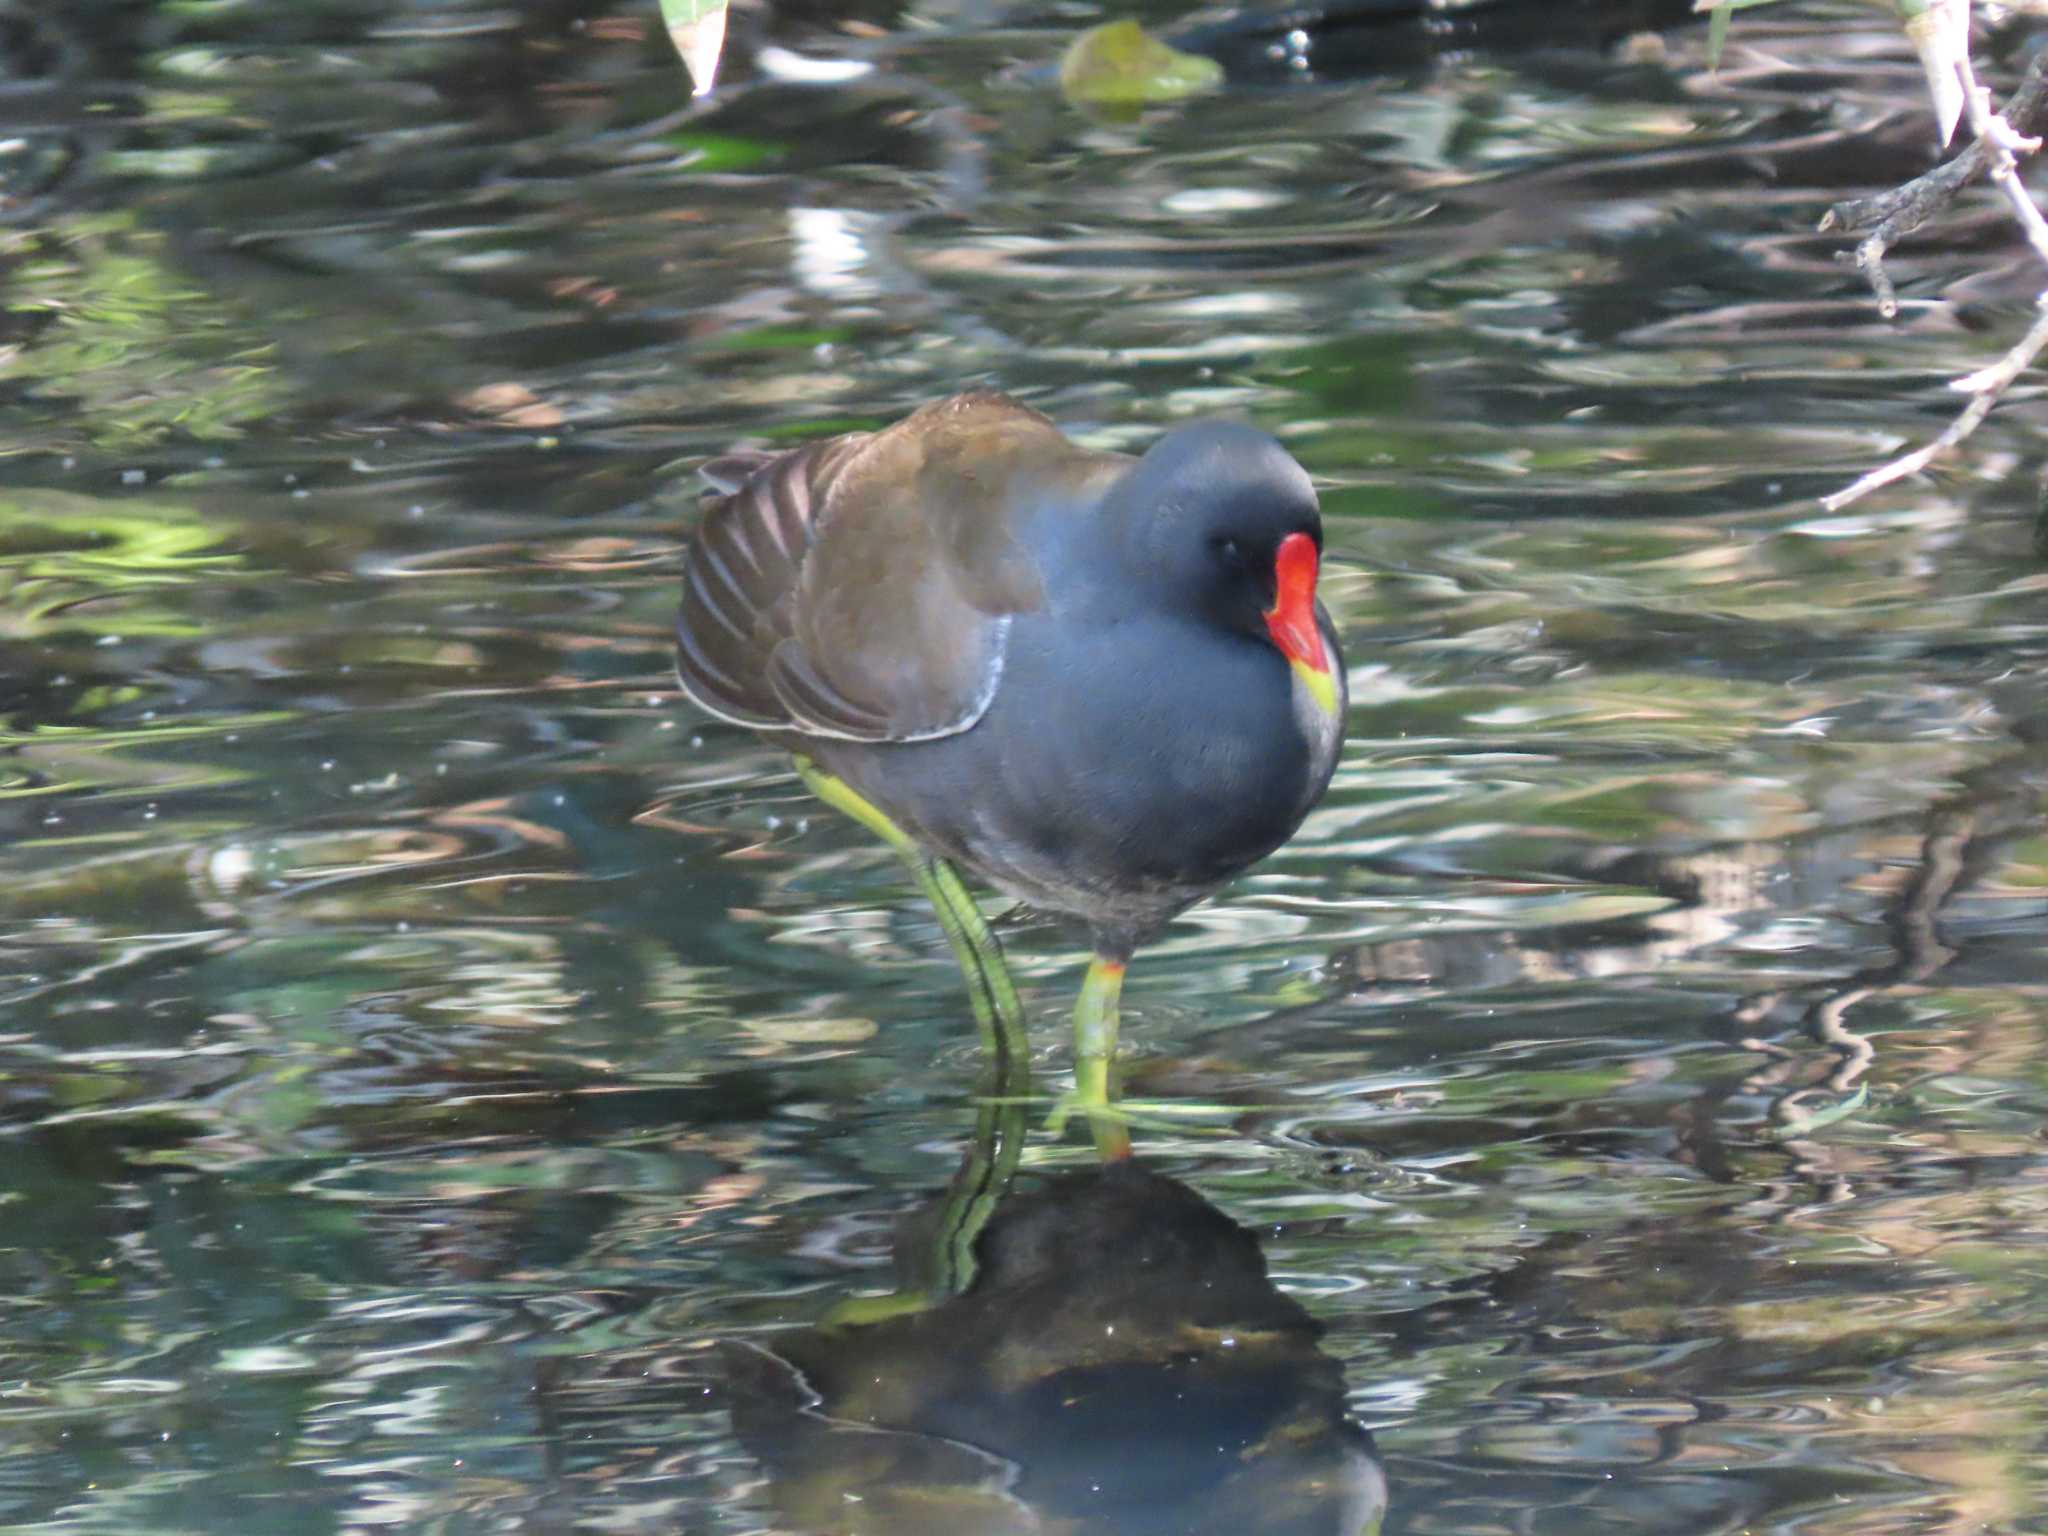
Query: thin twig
x,y
2005,141
1994,154
1985,388
1870,262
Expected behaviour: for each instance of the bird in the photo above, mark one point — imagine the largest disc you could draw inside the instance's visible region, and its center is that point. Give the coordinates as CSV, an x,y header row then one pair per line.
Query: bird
x,y
1100,683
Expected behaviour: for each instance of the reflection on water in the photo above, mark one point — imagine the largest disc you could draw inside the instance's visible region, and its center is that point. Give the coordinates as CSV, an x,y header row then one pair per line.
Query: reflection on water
x,y
1121,1363
427,1047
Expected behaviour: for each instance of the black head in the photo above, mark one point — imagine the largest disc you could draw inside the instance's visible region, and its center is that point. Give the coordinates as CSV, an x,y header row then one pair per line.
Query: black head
x,y
1205,512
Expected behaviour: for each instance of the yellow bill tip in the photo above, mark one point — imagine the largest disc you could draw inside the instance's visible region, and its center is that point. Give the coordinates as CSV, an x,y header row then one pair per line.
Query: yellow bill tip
x,y
1321,686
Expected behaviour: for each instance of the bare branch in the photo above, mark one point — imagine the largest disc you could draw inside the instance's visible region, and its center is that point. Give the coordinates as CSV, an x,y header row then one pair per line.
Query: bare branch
x,y
1870,260
2003,142
2001,137
1909,206
1888,217
1985,387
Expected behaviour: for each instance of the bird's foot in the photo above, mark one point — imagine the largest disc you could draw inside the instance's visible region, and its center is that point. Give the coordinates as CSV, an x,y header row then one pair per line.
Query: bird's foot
x,y
1094,1095
1108,1124
1167,1117
862,1311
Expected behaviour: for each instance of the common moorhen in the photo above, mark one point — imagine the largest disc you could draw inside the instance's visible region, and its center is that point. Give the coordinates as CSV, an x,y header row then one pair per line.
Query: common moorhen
x,y
1103,684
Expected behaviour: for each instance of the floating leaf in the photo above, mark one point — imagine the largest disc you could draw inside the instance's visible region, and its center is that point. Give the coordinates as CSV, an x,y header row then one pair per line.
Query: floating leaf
x,y
1120,64
812,1031
697,28
710,152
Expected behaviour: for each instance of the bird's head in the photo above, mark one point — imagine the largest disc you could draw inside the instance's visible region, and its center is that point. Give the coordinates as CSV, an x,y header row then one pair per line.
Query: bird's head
x,y
1222,521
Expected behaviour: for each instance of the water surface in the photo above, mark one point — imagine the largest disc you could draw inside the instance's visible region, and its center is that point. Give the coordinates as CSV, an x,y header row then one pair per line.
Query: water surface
x,y
439,1070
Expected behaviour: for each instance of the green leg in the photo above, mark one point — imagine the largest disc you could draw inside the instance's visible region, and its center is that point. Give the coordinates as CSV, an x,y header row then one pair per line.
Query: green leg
x,y
992,1157
945,1266
984,1178
991,993
1095,1059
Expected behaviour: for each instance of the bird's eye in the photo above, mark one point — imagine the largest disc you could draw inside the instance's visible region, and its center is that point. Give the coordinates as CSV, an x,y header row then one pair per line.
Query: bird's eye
x,y
1228,550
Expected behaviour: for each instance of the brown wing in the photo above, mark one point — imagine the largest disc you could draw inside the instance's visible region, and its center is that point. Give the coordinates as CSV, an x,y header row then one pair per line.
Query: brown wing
x,y
738,575
862,587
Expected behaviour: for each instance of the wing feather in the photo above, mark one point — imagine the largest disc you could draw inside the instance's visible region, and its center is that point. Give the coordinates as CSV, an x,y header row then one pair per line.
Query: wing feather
x,y
861,588
815,705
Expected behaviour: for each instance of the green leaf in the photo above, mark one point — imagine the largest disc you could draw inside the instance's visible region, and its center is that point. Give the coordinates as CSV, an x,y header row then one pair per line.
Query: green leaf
x,y
697,28
710,152
1120,64
1719,14
1940,33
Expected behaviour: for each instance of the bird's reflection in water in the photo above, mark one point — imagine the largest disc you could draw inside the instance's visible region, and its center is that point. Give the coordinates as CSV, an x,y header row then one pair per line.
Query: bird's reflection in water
x,y
1120,1363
